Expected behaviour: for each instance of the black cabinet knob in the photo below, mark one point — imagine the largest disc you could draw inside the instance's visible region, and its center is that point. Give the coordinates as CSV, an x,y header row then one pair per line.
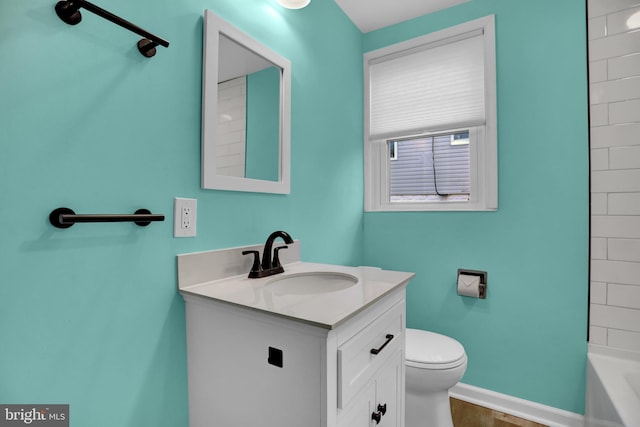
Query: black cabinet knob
x,y
382,408
376,416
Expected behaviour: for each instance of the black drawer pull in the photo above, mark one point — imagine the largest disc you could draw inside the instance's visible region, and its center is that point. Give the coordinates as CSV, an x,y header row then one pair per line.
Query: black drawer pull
x,y
378,350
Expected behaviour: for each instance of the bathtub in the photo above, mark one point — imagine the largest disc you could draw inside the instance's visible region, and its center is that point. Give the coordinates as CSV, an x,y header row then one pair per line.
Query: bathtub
x,y
613,388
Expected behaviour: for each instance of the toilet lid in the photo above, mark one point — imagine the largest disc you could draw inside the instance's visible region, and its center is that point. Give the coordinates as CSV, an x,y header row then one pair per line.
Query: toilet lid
x,y
429,348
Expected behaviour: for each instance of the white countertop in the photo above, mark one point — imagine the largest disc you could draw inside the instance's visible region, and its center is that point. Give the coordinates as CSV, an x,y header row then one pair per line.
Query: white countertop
x,y
325,309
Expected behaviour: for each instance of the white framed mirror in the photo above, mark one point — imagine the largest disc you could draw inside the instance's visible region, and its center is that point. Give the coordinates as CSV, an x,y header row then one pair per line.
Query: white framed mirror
x,y
246,99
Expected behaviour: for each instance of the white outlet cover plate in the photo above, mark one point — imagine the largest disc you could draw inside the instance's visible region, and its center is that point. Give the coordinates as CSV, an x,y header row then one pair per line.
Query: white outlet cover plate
x,y
178,229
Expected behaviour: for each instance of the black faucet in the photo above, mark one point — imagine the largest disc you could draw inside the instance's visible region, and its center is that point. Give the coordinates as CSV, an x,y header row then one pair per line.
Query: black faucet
x,y
269,265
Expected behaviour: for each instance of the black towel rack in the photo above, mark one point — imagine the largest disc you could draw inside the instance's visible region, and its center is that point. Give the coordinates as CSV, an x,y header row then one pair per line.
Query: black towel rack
x,y
69,12
65,217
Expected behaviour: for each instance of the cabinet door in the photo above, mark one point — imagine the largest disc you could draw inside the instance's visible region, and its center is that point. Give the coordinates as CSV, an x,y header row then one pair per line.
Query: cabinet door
x,y
389,383
246,370
358,413
381,396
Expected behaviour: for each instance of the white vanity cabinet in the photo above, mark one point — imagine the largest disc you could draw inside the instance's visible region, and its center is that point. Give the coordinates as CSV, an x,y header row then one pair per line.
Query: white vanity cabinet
x,y
248,367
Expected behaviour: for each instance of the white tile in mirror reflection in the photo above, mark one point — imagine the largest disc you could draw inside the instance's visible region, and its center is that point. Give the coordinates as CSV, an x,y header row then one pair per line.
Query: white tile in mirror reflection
x,y
615,90
624,204
615,317
624,250
599,115
598,71
621,272
614,135
623,339
625,111
623,21
600,7
615,181
623,66
597,27
623,295
616,45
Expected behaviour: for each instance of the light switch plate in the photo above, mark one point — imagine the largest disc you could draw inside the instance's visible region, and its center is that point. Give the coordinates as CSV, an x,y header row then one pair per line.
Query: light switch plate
x,y
185,215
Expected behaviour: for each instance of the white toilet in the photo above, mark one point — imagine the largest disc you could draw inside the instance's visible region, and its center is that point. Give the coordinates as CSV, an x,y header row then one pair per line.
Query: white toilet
x,y
434,363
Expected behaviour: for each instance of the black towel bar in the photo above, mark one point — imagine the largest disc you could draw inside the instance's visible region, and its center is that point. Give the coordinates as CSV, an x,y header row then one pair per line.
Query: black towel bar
x,y
69,12
65,217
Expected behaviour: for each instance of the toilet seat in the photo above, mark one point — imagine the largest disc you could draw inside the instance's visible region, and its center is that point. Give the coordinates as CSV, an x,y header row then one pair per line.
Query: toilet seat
x,y
428,350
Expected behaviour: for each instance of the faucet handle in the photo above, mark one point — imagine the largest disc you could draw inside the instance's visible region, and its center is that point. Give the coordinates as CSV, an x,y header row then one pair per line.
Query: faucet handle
x,y
255,268
276,258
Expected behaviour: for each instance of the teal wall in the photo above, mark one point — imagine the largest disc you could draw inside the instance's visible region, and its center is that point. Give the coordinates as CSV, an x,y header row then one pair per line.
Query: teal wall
x,y
528,338
262,156
90,315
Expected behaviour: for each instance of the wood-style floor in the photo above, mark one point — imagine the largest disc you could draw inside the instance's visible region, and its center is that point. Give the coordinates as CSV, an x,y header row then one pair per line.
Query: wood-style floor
x,y
469,415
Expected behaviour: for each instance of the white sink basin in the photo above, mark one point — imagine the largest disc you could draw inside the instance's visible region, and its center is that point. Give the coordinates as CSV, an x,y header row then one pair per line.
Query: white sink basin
x,y
309,283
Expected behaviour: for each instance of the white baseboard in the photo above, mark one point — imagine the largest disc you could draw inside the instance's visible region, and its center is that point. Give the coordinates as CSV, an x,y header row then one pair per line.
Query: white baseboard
x,y
532,411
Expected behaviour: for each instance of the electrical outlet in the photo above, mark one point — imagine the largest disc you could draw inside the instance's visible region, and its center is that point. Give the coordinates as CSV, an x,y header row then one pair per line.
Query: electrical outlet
x,y
184,217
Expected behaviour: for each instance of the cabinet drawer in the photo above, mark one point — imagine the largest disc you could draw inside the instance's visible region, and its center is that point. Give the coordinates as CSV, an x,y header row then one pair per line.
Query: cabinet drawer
x,y
356,361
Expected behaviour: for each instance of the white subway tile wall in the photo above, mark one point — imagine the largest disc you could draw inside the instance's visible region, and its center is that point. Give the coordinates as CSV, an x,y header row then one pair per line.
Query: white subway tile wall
x,y
231,130
614,94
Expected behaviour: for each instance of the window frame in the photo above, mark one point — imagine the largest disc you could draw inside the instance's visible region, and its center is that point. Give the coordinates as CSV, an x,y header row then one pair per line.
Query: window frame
x,y
483,139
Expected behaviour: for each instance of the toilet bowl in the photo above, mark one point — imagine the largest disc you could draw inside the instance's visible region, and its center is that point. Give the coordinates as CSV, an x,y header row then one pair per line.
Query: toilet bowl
x,y
434,363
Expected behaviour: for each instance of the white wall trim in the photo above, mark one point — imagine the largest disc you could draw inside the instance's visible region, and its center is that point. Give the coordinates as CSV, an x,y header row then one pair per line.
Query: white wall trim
x,y
532,411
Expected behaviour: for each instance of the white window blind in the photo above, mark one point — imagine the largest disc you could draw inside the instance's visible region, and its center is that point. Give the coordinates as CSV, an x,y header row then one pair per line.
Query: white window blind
x,y
433,87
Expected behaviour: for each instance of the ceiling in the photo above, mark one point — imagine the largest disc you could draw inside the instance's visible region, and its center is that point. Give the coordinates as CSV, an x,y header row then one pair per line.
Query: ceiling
x,y
369,15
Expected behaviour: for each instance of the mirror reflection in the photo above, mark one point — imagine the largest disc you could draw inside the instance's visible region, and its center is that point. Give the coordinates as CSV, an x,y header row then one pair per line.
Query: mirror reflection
x,y
248,132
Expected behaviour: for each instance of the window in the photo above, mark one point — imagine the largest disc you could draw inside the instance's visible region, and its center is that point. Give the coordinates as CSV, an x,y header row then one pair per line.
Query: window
x,y
430,122
430,168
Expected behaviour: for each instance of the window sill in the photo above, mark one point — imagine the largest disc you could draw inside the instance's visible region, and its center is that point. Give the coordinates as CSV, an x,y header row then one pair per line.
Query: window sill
x,y
433,207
